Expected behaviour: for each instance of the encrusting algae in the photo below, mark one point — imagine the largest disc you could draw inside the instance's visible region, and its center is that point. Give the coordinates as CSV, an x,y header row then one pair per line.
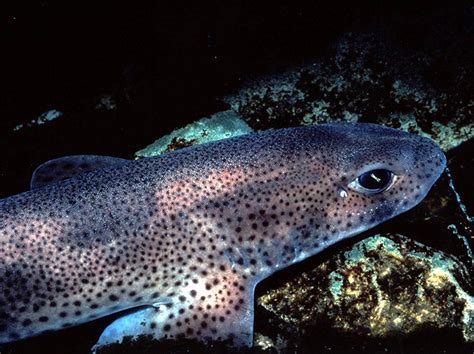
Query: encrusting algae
x,y
383,284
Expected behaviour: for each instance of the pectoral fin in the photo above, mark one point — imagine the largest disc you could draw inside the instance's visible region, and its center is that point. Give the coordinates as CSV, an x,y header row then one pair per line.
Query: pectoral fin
x,y
204,311
69,166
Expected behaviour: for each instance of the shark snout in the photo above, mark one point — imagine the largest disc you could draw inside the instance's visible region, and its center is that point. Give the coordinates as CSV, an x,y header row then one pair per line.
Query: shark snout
x,y
430,164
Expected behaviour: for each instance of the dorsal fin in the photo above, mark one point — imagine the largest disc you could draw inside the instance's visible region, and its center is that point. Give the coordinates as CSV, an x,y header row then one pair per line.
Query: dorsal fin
x,y
69,166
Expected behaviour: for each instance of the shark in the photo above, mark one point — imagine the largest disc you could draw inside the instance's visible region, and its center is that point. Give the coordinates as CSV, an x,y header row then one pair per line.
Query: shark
x,y
182,239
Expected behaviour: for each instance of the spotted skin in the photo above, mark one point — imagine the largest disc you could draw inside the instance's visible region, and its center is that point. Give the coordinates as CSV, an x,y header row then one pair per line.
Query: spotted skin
x,y
189,234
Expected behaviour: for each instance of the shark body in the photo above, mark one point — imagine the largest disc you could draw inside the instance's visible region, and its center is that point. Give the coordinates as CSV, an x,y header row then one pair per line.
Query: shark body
x,y
185,237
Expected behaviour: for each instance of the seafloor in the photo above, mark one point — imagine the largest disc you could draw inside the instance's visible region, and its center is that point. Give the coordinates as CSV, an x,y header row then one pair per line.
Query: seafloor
x,y
111,79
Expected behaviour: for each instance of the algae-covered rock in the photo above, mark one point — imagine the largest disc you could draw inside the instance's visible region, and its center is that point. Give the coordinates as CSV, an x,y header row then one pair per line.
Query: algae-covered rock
x,y
42,119
366,77
221,125
382,285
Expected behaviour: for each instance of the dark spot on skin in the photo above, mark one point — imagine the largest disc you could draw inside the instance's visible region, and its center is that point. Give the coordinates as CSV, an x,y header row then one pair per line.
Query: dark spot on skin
x,y
113,297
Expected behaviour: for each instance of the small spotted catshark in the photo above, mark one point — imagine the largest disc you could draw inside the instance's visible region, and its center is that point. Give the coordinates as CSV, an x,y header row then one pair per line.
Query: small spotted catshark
x,y
184,238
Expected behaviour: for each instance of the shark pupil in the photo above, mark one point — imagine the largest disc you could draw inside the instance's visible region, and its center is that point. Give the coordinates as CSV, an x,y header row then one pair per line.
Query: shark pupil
x,y
375,180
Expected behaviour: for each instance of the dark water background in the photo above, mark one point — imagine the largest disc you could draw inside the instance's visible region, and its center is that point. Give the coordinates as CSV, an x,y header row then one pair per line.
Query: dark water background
x,y
166,64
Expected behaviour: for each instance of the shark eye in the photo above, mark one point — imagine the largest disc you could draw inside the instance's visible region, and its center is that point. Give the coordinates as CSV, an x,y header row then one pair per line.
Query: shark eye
x,y
374,181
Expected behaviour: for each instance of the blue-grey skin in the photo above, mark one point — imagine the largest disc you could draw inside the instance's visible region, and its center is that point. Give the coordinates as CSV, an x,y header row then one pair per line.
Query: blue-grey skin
x,y
189,234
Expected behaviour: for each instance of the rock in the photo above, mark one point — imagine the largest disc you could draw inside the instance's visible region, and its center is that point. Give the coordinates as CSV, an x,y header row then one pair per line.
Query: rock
x,y
383,285
42,119
461,166
106,103
221,125
366,78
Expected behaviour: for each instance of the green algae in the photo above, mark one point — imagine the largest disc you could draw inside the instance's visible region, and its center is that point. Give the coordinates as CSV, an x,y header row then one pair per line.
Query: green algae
x,y
336,284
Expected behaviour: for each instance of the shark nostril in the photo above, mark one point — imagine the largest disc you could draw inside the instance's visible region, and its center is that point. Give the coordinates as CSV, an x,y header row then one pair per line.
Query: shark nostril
x,y
342,192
